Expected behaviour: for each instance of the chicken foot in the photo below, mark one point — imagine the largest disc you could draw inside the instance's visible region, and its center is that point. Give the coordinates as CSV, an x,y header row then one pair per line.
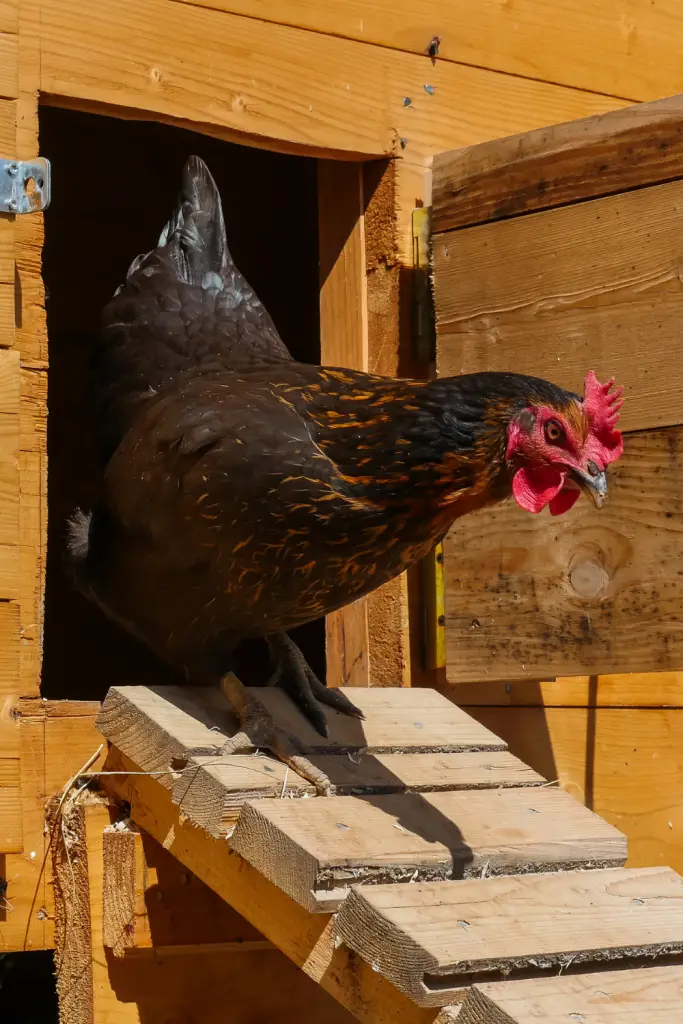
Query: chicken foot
x,y
294,675
259,732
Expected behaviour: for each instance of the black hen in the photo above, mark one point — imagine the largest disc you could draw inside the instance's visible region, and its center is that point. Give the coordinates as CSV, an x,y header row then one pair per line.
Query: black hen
x,y
246,494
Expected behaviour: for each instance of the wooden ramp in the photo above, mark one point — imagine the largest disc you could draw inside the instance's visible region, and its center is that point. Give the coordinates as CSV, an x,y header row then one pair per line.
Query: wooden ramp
x,y
440,866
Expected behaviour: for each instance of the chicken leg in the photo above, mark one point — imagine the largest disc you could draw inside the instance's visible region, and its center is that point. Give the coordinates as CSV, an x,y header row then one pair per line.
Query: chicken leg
x,y
295,676
259,732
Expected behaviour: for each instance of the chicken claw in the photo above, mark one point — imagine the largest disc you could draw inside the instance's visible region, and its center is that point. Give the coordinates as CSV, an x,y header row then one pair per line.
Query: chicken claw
x,y
294,675
258,731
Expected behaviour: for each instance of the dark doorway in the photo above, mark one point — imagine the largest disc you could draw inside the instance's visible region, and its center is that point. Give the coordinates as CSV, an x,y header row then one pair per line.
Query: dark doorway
x,y
114,185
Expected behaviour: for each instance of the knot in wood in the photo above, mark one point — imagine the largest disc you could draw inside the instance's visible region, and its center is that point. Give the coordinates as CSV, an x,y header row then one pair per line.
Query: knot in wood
x,y
589,579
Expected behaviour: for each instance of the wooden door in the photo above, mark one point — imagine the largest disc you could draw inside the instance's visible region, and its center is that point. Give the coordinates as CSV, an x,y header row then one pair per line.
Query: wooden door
x,y
557,252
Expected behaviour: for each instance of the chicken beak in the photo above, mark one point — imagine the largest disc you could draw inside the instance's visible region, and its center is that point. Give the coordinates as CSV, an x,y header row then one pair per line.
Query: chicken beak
x,y
592,483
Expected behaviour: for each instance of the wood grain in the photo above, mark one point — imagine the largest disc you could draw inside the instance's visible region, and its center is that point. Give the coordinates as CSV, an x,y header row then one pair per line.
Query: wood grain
x,y
8,127
194,956
119,896
396,720
11,829
627,49
627,765
211,791
608,997
9,75
630,690
582,159
327,95
533,597
428,937
305,938
314,850
560,292
344,342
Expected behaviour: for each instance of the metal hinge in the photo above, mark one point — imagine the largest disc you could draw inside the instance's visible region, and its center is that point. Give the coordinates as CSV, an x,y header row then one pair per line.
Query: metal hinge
x,y
24,185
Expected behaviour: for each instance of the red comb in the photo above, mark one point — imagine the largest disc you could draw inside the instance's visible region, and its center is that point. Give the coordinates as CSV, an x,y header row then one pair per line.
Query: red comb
x,y
602,405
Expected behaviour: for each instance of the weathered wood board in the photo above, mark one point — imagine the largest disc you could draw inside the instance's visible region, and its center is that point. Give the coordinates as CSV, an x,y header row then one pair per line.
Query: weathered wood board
x,y
589,592
155,725
629,51
625,764
430,939
582,159
653,994
589,286
314,849
211,791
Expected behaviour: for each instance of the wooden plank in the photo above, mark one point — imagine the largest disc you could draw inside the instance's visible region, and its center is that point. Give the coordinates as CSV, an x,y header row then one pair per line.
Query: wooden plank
x,y
601,46
9,16
298,89
630,690
9,79
397,720
11,837
608,997
626,765
41,707
592,592
428,938
198,978
521,295
582,159
8,127
314,849
306,939
66,823
344,342
119,855
159,724
211,791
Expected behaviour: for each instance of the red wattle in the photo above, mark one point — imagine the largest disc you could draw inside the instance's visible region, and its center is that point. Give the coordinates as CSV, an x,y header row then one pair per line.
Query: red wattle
x,y
534,487
563,501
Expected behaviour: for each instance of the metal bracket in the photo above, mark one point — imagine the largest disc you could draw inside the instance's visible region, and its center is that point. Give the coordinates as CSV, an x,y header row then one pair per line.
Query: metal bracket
x,y
24,185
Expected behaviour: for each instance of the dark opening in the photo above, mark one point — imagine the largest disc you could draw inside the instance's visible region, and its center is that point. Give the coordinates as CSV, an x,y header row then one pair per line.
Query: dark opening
x,y
28,993
114,185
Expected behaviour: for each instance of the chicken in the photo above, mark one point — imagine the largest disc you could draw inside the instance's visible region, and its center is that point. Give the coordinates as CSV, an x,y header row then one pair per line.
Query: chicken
x,y
245,493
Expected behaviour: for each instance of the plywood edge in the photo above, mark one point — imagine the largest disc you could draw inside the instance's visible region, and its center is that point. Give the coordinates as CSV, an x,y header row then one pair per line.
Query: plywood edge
x,y
590,157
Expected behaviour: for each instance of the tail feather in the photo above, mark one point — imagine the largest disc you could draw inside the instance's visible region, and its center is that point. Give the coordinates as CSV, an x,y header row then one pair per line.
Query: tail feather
x,y
184,308
193,239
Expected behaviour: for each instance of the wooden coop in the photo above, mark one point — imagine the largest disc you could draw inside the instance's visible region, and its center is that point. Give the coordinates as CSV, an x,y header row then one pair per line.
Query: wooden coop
x,y
523,688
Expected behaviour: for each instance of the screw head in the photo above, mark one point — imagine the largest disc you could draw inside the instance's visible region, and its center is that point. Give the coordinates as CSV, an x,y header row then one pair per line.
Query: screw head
x,y
13,169
12,204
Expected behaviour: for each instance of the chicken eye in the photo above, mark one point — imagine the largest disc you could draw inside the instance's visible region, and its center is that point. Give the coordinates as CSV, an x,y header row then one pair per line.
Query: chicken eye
x,y
554,432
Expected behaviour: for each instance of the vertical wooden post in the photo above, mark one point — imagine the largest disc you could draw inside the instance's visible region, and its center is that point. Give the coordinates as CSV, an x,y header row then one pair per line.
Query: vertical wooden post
x,y
344,342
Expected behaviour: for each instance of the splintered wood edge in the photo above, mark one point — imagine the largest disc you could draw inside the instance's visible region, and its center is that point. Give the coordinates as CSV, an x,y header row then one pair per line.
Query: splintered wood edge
x,y
404,962
395,954
306,940
488,1002
283,861
210,803
118,889
140,736
276,856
